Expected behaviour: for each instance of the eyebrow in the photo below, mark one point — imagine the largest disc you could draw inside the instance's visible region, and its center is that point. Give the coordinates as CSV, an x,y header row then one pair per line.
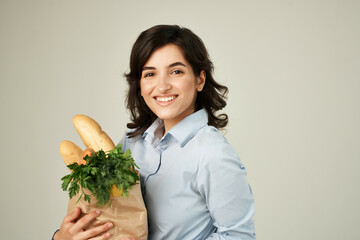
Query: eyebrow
x,y
147,68
177,64
171,65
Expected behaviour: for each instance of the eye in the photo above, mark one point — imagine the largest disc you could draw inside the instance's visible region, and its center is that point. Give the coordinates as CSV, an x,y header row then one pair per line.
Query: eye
x,y
177,72
149,74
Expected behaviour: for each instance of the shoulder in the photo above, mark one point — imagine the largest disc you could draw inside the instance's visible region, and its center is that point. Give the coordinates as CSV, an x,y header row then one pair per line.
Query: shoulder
x,y
209,138
209,132
214,147
215,151
126,141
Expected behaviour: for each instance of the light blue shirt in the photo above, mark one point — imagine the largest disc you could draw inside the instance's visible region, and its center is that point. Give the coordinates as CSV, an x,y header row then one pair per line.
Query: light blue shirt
x,y
193,183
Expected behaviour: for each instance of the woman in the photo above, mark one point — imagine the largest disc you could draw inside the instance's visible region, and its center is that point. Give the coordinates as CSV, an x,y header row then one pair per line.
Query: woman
x,y
194,184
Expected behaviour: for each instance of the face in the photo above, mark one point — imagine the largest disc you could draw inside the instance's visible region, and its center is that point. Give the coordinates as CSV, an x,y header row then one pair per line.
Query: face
x,y
169,86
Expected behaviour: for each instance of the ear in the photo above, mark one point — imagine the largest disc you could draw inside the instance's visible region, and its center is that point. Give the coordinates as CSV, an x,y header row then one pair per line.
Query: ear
x,y
201,81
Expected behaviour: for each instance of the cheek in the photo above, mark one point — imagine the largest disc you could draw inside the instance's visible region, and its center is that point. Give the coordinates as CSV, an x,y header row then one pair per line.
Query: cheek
x,y
142,89
147,88
188,87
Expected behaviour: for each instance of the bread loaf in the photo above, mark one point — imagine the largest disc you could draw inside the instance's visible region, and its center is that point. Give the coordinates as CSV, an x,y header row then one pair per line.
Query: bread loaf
x,y
70,152
91,134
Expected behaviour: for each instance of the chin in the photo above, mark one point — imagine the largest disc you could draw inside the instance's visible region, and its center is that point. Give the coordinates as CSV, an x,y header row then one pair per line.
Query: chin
x,y
165,116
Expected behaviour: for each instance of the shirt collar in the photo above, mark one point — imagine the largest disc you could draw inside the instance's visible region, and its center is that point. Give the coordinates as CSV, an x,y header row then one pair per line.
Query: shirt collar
x,y
154,133
182,132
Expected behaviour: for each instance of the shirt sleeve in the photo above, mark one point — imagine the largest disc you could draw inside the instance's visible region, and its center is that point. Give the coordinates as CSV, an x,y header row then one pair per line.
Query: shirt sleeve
x,y
54,234
222,183
123,142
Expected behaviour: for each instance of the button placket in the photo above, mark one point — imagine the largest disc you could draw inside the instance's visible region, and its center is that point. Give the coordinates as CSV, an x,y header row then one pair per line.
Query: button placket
x,y
159,164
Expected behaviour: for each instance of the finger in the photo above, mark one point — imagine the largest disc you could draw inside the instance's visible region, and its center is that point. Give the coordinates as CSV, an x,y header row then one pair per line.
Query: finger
x,y
96,231
102,237
73,216
85,220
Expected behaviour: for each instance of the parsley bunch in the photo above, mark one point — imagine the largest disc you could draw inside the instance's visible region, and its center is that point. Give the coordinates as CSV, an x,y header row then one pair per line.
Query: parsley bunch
x,y
101,172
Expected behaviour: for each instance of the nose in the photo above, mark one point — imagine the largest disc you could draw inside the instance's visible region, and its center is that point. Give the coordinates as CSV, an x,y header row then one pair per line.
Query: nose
x,y
164,84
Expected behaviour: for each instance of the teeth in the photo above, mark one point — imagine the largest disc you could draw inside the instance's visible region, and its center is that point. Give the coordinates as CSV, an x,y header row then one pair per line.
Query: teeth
x,y
165,99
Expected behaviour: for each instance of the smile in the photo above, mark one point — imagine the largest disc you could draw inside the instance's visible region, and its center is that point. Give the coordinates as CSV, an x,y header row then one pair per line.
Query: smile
x,y
165,99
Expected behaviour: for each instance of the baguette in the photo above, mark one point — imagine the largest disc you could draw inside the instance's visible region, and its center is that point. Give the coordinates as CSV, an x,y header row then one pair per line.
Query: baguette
x,y
91,134
70,152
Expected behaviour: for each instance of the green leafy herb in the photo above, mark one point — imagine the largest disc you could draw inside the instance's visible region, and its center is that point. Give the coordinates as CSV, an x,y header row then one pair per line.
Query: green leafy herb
x,y
101,172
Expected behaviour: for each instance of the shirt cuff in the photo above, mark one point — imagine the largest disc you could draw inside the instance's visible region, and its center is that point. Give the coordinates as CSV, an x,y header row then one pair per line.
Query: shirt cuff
x,y
54,234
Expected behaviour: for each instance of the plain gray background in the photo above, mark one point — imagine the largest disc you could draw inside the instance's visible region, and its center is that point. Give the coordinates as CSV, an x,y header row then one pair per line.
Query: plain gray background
x,y
292,68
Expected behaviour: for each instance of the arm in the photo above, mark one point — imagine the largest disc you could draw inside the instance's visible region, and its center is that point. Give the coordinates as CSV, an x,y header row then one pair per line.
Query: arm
x,y
222,183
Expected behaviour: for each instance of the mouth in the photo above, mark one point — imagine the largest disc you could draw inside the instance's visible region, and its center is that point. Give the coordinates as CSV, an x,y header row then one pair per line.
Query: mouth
x,y
165,99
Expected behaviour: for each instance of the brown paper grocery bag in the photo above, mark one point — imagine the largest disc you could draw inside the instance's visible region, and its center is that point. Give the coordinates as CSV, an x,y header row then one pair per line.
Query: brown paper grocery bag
x,y
128,214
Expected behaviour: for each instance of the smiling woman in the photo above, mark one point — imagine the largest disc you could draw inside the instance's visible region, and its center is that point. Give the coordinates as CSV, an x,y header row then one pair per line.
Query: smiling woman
x,y
193,183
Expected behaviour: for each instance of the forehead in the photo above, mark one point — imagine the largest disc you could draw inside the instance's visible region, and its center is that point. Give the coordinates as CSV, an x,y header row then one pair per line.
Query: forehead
x,y
166,55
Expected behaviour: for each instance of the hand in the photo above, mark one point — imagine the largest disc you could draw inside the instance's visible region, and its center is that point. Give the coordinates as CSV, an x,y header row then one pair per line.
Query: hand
x,y
72,227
